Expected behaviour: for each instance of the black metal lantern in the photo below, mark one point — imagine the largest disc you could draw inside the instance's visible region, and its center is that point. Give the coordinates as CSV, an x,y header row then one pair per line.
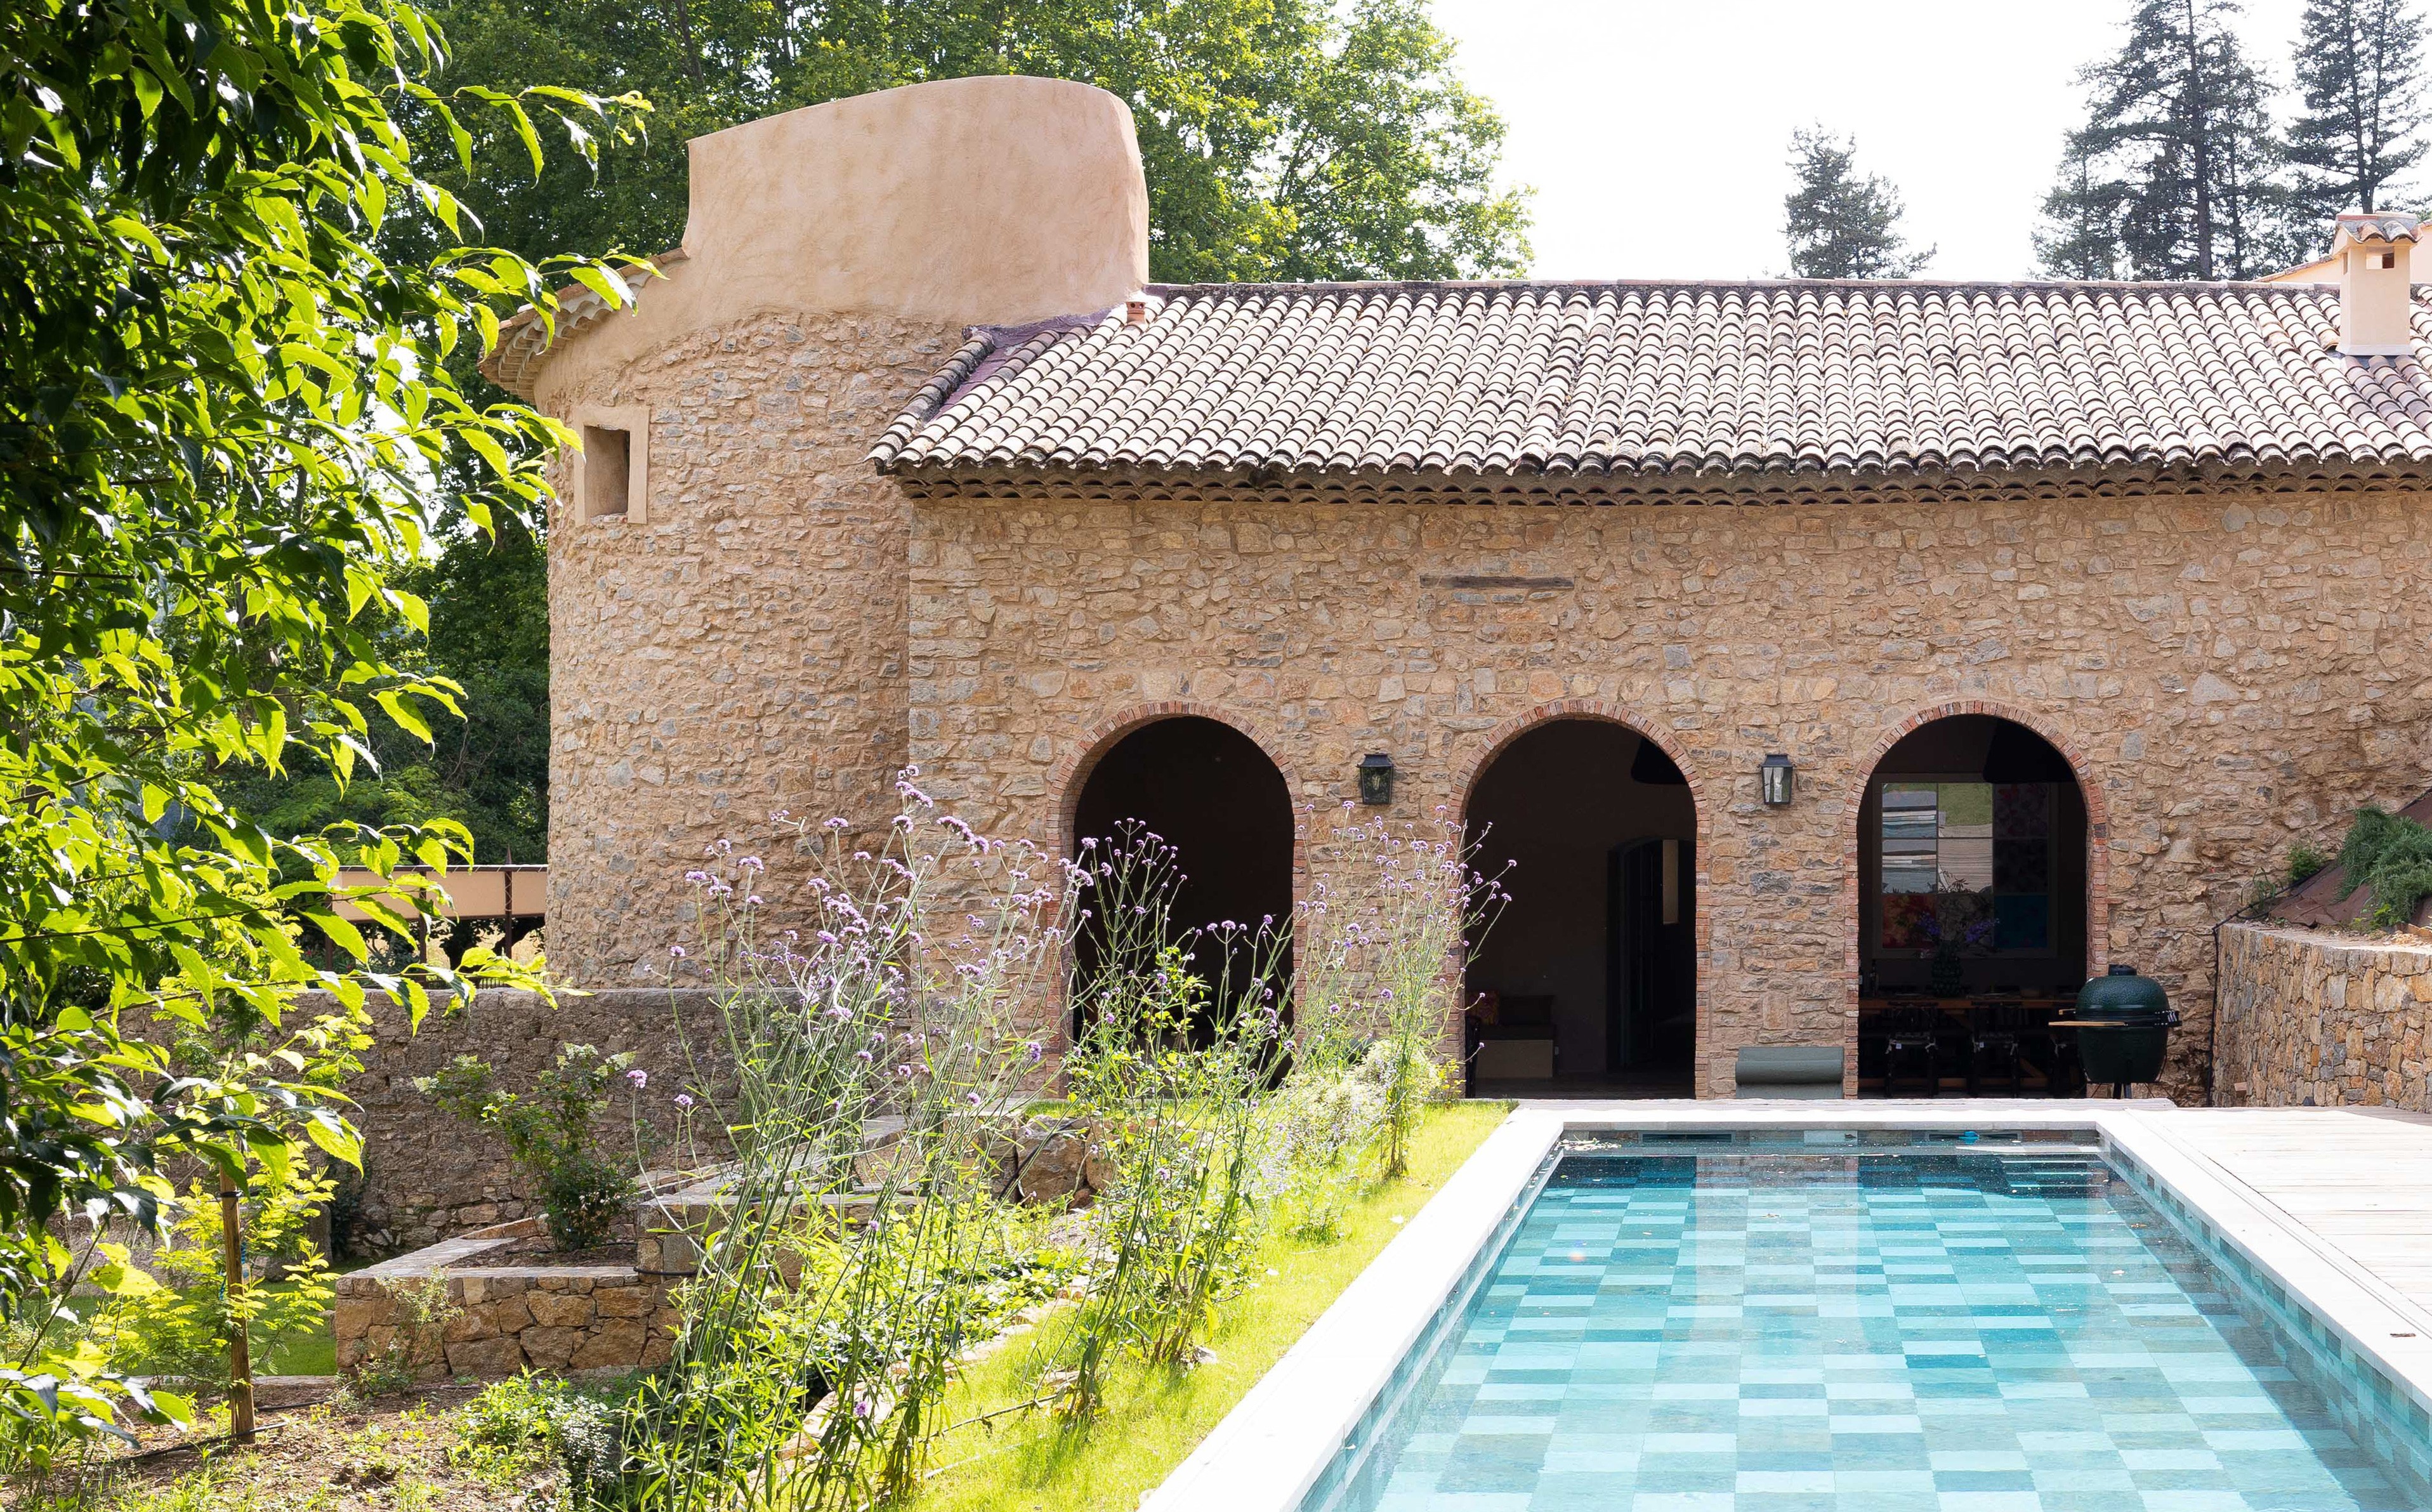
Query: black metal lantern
x,y
1775,777
1377,779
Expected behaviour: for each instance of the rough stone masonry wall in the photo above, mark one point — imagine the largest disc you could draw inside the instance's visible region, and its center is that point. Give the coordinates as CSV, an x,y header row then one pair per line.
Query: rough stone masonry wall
x,y
428,1176
2230,673
538,1318
2325,1020
743,650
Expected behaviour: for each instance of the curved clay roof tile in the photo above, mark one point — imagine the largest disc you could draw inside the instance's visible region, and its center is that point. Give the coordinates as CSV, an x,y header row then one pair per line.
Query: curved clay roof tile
x,y
1675,380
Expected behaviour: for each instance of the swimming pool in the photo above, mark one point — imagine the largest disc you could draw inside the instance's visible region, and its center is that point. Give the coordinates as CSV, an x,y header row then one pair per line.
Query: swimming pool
x,y
1880,1320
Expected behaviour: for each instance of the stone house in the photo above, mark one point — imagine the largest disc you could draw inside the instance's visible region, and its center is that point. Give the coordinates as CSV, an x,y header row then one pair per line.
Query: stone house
x,y
1762,623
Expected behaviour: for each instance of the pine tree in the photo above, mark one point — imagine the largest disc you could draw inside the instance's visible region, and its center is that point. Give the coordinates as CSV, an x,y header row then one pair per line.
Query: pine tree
x,y
1838,224
2359,67
2081,234
2177,155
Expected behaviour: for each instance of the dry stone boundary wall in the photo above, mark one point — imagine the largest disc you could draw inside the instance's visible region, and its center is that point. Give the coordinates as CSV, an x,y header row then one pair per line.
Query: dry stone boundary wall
x,y
429,1176
560,1318
2323,1020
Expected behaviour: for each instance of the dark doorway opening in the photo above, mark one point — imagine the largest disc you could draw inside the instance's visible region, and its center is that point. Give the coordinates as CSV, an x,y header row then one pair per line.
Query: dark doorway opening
x,y
1587,983
1973,913
1209,791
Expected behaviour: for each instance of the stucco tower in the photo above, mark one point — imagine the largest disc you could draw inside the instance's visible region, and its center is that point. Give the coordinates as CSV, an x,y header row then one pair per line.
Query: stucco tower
x,y
728,577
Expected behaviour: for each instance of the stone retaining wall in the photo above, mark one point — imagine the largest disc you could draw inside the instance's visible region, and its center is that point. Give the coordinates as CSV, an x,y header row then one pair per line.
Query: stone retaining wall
x,y
2309,1018
428,1176
507,1318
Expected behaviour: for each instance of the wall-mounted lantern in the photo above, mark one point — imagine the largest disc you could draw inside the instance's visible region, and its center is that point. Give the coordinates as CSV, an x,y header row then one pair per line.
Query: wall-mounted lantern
x,y
1775,776
1376,778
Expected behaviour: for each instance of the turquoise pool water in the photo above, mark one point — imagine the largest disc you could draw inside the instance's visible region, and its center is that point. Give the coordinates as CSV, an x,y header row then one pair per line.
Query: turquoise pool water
x,y
1954,1328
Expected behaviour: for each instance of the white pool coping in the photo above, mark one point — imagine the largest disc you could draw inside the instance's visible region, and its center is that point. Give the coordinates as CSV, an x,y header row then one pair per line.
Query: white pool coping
x,y
1271,1449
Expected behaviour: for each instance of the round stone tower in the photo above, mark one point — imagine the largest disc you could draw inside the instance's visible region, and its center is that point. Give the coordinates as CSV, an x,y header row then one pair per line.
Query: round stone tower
x,y
728,575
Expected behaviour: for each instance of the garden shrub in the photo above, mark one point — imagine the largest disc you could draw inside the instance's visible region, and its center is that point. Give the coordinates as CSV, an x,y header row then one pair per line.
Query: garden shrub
x,y
830,1308
551,1131
2393,857
2305,863
1322,1124
173,1318
1170,1069
527,1417
1381,962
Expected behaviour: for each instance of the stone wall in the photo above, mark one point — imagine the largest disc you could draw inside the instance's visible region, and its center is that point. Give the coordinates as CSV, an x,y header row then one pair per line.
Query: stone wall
x,y
505,1319
2227,674
743,650
428,1176
2323,1020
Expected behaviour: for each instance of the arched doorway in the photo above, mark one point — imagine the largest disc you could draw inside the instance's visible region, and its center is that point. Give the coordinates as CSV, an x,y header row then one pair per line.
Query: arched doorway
x,y
1207,790
1972,912
1587,983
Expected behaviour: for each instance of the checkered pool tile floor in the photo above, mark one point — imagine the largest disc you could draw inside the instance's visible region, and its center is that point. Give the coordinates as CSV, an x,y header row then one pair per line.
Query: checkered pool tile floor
x,y
1911,1333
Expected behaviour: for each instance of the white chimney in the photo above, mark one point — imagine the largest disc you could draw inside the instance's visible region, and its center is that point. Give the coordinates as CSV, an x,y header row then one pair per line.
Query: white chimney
x,y
2376,296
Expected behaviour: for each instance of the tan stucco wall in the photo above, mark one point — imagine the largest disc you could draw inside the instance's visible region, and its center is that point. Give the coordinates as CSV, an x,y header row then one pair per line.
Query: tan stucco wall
x,y
2227,672
974,201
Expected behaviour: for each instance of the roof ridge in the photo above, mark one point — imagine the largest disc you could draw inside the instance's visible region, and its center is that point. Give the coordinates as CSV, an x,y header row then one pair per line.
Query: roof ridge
x,y
2137,285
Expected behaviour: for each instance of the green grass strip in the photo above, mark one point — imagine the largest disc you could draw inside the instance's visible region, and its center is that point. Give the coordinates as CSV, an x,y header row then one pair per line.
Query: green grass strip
x,y
1028,1462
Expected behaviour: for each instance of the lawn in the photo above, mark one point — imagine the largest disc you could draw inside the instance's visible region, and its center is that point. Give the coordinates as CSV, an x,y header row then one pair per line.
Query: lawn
x,y
315,1354
1155,1417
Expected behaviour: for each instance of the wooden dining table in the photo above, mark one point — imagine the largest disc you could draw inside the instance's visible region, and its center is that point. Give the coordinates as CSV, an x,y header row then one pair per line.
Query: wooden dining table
x,y
2046,1053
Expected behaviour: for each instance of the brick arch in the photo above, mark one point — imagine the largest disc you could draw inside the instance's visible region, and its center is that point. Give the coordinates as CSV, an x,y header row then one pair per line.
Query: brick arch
x,y
1641,723
2098,849
1072,770
1070,773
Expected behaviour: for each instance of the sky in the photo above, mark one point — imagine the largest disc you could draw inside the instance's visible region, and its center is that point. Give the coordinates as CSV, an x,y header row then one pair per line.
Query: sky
x,y
1656,135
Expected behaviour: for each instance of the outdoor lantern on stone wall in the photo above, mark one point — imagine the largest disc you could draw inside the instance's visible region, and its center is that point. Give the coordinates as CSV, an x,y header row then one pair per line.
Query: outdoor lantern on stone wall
x,y
1775,777
1376,778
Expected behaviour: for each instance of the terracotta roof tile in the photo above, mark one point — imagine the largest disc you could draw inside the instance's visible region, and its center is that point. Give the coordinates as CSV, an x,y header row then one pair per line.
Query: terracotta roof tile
x,y
1646,380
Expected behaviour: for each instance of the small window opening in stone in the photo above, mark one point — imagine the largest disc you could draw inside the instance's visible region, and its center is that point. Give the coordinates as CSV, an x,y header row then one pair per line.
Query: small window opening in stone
x,y
607,471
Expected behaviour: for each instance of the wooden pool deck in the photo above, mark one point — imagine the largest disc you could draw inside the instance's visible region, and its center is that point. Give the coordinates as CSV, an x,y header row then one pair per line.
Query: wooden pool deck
x,y
2358,1180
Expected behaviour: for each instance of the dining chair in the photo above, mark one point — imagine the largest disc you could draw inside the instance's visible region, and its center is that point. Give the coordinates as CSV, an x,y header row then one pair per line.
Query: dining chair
x,y
1913,1034
1995,1028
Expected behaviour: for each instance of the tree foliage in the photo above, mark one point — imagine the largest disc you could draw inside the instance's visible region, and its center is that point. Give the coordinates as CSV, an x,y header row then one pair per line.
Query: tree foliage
x,y
1838,224
2080,236
486,765
2176,172
2360,70
227,428
1282,139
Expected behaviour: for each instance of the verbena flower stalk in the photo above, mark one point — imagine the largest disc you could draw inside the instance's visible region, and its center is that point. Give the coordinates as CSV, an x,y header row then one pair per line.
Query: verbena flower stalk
x,y
870,1056
1167,1070
867,1123
1383,961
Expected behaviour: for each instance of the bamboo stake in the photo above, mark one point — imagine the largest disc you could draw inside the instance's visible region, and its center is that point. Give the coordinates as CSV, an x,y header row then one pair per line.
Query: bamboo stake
x,y
240,1343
